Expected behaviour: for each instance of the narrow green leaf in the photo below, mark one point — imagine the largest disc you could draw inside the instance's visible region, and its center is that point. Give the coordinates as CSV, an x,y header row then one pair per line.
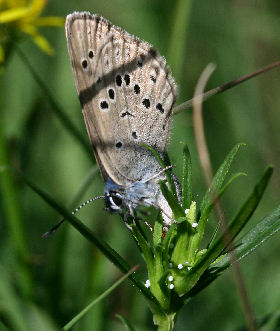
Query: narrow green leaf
x,y
145,248
254,238
235,226
160,262
184,250
74,320
219,177
226,186
187,179
204,281
125,322
171,233
215,192
163,165
154,266
204,217
238,222
172,201
157,235
266,228
247,210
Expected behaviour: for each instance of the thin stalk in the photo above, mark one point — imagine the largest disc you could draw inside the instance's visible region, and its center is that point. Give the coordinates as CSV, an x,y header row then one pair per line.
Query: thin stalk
x,y
74,320
209,94
208,175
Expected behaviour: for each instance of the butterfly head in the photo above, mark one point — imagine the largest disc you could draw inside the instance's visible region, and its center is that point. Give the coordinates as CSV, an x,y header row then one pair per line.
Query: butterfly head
x,y
130,196
114,202
113,197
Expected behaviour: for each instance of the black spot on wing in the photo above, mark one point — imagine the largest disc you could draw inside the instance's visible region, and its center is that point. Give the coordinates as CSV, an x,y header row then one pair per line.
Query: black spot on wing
x,y
126,114
111,94
84,64
136,89
146,103
119,80
127,79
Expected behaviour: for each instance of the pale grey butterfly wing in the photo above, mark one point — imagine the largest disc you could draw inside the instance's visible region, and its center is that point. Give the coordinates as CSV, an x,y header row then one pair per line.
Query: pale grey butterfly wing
x,y
85,45
126,93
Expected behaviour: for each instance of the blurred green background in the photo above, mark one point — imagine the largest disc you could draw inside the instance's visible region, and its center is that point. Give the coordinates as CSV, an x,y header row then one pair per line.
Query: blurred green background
x,y
64,272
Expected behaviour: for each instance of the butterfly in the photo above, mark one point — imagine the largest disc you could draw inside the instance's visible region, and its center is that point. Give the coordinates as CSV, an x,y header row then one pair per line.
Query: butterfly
x,y
126,93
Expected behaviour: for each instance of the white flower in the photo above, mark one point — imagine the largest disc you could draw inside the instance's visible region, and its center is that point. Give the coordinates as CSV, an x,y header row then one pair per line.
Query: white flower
x,y
171,286
186,211
194,225
180,266
170,278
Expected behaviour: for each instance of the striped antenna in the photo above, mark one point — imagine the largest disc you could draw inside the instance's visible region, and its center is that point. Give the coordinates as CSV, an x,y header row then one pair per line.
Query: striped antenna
x,y
52,230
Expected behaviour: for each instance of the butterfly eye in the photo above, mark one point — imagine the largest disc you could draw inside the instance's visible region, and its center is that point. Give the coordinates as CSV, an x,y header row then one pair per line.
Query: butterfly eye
x,y
117,199
114,201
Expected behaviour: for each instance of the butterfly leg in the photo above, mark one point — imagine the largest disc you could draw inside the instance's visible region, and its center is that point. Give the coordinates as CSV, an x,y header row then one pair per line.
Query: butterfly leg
x,y
125,218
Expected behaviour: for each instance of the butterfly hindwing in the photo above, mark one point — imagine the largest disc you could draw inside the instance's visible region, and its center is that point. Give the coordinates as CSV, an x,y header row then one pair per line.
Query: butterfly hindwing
x,y
126,93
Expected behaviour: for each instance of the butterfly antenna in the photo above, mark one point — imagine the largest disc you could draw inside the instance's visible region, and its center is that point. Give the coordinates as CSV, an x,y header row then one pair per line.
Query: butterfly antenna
x,y
52,230
159,173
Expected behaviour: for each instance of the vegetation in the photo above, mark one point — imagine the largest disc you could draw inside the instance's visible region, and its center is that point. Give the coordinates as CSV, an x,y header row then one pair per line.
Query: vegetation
x,y
47,170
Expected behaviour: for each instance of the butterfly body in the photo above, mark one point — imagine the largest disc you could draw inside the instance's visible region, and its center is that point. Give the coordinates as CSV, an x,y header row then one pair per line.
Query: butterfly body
x,y
131,195
126,93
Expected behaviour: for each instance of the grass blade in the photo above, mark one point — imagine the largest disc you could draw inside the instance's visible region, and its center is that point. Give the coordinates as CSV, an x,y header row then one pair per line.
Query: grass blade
x,y
74,320
255,237
219,177
238,222
187,179
266,228
109,252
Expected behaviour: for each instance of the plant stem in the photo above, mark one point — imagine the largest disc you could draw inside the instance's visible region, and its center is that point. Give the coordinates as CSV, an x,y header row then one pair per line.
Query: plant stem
x,y
165,322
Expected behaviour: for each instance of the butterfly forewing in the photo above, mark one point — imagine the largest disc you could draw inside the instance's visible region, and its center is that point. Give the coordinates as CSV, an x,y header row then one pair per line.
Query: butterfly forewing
x,y
126,93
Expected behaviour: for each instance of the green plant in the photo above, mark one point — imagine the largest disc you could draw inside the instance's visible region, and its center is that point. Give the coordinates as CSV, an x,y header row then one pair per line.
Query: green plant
x,y
178,266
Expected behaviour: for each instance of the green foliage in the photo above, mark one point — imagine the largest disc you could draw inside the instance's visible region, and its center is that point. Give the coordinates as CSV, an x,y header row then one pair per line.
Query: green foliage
x,y
183,268
44,283
187,262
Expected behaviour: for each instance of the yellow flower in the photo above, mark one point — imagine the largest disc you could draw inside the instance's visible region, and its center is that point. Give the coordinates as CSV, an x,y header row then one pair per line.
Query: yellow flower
x,y
24,16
